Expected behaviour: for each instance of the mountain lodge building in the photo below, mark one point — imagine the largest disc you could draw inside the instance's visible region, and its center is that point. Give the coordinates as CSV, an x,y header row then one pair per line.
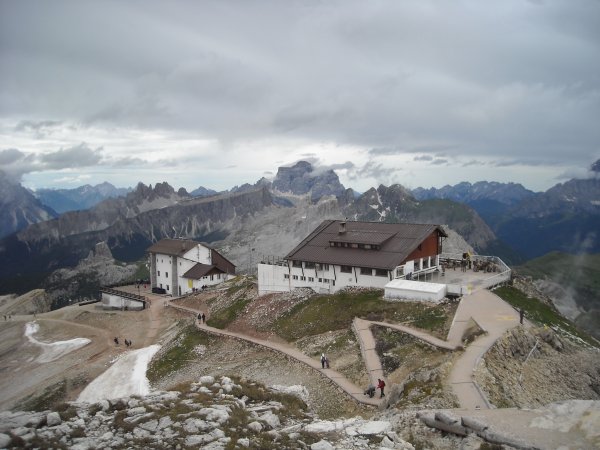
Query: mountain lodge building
x,y
339,254
181,266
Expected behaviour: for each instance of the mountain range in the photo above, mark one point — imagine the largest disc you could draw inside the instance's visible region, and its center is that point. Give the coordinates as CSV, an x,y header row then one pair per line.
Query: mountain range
x,y
82,197
494,218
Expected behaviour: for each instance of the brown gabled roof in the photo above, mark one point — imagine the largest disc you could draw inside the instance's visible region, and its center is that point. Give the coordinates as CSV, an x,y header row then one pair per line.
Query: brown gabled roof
x,y
396,241
173,247
201,270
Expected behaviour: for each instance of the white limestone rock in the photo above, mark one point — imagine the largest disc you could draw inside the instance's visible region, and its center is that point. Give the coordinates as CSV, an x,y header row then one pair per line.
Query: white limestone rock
x,y
5,440
321,445
369,428
215,414
207,379
255,426
243,442
270,419
53,419
136,411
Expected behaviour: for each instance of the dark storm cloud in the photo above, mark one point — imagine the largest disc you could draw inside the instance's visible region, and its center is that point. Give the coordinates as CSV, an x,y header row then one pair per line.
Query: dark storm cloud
x,y
17,163
474,79
10,155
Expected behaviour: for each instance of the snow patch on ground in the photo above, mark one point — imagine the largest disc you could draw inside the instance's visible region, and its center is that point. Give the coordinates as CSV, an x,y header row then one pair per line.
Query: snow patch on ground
x,y
53,350
126,377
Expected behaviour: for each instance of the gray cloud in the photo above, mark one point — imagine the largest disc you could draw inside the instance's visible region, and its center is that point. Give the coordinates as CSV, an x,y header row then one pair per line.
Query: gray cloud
x,y
439,161
17,163
10,155
78,156
423,158
470,80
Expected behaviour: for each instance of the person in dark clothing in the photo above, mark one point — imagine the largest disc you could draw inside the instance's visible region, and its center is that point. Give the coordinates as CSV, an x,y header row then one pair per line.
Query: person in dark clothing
x,y
203,318
200,317
521,315
116,339
381,385
323,360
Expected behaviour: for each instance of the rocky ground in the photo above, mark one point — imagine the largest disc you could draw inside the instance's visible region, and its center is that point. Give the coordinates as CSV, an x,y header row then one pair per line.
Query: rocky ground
x,y
555,370
234,410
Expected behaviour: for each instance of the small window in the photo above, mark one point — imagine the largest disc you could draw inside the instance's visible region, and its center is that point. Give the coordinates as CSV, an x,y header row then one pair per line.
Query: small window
x,y
354,245
311,279
346,269
309,265
286,276
302,278
295,277
325,266
161,285
211,277
166,274
161,260
381,273
418,265
333,282
367,246
366,271
296,263
325,280
168,288
320,280
159,273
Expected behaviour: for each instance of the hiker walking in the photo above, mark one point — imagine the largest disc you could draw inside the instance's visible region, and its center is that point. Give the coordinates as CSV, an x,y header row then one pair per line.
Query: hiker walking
x,y
381,385
199,317
521,315
326,362
323,360
203,318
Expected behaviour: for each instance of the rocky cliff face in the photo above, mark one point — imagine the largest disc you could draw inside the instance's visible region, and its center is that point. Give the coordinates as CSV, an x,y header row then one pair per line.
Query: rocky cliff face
x,y
302,179
19,207
56,244
395,203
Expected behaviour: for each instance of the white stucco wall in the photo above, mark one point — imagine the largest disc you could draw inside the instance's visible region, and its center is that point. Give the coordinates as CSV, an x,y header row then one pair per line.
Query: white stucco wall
x,y
110,301
415,290
199,254
163,267
272,278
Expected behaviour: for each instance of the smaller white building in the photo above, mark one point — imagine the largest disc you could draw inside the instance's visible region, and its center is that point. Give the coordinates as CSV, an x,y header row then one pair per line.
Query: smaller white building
x,y
181,266
400,289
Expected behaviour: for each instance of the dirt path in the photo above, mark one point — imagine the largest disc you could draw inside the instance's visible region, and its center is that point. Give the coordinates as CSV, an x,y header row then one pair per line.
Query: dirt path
x,y
346,385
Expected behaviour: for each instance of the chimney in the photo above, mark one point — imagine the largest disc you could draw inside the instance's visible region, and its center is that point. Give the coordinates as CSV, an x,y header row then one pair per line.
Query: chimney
x,y
342,229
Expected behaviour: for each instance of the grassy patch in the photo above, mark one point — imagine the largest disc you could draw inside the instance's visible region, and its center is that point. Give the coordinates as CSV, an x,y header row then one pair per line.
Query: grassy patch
x,y
223,317
335,312
51,396
180,353
540,313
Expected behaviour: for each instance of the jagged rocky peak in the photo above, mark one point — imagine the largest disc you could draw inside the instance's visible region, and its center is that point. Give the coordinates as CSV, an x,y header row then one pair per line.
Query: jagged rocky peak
x,y
302,178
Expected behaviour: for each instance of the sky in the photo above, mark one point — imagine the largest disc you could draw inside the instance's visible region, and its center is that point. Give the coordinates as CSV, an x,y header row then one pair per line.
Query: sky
x,y
221,93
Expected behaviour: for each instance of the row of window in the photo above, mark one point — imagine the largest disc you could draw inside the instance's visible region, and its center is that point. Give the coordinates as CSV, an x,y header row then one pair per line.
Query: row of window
x,y
354,245
310,265
310,279
166,274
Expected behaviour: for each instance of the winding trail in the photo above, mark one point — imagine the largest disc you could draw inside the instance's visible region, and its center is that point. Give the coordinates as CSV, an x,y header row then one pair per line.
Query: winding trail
x,y
488,310
346,385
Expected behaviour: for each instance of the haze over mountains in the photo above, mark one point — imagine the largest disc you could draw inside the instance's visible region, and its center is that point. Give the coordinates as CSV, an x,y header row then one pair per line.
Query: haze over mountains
x,y
265,219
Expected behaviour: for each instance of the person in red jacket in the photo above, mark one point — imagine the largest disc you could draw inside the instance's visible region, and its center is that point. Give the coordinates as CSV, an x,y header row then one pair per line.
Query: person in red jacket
x,y
381,385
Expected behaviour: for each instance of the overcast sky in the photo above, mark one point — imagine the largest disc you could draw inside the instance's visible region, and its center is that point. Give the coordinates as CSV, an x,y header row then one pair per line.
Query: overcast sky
x,y
421,93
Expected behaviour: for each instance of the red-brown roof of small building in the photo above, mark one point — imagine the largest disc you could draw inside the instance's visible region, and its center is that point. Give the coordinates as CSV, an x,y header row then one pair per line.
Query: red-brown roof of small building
x,y
201,270
173,247
396,241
